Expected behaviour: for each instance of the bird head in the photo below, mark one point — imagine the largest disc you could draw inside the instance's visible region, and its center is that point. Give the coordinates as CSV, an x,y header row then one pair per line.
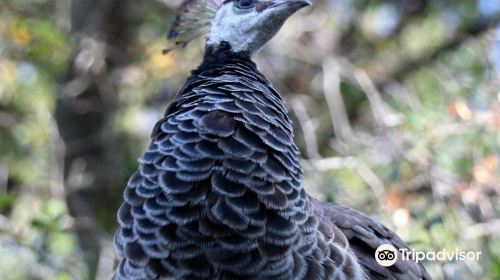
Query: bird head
x,y
246,25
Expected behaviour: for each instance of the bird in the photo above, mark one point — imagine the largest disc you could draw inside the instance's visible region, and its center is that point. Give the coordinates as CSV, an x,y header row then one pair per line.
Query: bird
x,y
218,191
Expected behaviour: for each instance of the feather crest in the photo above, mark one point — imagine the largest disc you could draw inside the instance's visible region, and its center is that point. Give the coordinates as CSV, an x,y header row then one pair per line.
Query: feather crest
x,y
192,20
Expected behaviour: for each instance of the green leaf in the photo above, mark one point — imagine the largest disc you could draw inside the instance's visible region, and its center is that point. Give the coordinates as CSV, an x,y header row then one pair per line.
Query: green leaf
x,y
7,199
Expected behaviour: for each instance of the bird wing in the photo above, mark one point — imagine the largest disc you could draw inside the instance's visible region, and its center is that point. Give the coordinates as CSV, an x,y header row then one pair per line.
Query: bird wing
x,y
365,235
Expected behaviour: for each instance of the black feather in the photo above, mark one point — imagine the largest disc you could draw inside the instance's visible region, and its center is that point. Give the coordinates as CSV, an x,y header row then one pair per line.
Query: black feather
x,y
218,193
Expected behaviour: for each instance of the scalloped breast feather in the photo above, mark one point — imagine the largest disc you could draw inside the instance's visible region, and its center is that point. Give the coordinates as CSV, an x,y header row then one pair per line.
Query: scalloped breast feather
x,y
192,20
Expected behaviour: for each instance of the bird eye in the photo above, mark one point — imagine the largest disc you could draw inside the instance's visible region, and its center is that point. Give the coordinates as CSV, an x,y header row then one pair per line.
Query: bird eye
x,y
245,4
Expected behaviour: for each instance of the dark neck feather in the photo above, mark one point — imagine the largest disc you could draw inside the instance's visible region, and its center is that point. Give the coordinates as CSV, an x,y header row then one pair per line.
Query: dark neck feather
x,y
222,54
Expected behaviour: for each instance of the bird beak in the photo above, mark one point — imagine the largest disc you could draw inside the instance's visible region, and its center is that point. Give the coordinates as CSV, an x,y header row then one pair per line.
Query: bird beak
x,y
290,5
298,3
301,3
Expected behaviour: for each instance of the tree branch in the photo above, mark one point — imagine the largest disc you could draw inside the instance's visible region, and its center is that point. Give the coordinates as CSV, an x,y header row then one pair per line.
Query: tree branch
x,y
404,69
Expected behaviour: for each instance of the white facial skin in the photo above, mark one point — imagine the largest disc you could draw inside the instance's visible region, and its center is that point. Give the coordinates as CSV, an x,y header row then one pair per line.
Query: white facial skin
x,y
249,29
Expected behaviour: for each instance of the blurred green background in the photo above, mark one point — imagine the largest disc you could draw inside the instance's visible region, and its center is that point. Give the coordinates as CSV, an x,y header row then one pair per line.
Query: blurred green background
x,y
396,108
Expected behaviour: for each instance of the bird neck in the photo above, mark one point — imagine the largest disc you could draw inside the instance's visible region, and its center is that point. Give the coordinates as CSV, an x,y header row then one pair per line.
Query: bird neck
x,y
220,54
